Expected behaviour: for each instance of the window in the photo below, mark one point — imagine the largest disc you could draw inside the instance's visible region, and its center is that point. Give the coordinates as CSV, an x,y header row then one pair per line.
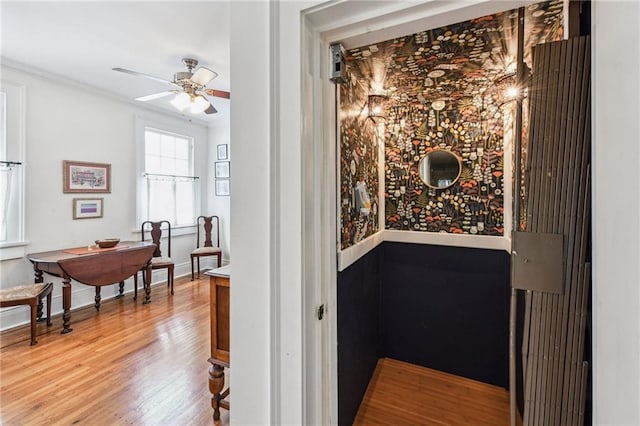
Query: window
x,y
11,168
170,185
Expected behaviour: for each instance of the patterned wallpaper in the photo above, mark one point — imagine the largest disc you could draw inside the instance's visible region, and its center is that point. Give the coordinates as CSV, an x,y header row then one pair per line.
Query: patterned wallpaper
x,y
359,142
442,94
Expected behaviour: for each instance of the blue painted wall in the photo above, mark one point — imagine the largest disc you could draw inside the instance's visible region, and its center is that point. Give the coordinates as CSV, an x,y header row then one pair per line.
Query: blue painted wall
x,y
358,331
444,308
447,308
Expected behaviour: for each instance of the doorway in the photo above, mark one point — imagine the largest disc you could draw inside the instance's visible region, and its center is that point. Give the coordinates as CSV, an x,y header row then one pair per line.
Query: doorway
x,y
327,136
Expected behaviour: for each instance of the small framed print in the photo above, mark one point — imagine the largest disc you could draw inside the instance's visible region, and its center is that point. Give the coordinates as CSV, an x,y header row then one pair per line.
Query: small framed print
x,y
222,152
222,187
80,177
87,208
222,169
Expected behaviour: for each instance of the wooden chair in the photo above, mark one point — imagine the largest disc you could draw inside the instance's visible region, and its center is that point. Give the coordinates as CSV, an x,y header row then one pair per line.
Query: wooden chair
x,y
158,261
31,295
207,249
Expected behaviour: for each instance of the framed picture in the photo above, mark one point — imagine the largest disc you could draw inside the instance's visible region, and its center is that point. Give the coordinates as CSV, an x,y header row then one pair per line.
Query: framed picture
x,y
222,169
222,187
79,177
222,152
87,208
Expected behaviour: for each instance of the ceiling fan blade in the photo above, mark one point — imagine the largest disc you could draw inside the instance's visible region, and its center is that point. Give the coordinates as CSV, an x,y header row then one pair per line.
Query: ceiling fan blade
x,y
156,96
210,110
218,93
152,77
203,75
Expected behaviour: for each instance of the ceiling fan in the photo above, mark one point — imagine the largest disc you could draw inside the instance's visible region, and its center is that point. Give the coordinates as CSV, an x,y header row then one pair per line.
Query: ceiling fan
x,y
189,88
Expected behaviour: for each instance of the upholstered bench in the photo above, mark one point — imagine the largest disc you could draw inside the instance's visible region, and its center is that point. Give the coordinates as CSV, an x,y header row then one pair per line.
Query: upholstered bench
x,y
29,295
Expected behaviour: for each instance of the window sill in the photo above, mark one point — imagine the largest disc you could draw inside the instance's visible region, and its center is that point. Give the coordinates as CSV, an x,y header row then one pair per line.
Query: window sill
x,y
14,250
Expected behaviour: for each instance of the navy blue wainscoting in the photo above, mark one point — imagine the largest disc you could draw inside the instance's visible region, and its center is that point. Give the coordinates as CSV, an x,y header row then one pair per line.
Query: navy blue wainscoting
x,y
446,308
358,336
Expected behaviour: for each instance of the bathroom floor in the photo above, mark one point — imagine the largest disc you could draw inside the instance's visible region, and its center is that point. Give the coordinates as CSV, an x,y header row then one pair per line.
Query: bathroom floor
x,y
400,393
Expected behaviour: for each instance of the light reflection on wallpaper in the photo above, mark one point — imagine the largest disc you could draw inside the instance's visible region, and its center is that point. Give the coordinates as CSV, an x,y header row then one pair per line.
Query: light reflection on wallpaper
x,y
442,94
358,165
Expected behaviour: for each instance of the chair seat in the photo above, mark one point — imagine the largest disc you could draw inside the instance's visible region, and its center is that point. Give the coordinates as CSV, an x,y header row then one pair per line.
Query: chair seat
x,y
206,250
160,261
23,292
32,295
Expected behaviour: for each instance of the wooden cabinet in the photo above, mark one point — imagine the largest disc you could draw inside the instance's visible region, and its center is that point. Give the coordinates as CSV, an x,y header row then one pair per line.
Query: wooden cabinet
x,y
219,280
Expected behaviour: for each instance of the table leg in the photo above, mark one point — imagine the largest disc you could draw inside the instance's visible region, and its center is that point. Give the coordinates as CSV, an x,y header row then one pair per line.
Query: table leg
x,y
120,290
98,298
216,383
38,275
66,305
33,322
49,308
39,314
135,286
147,285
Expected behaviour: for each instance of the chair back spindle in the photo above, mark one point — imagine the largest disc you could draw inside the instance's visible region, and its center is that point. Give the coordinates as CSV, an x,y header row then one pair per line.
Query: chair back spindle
x,y
156,235
204,224
207,224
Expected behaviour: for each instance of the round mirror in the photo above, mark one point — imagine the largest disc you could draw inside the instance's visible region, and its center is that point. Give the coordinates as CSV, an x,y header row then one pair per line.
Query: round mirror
x,y
440,169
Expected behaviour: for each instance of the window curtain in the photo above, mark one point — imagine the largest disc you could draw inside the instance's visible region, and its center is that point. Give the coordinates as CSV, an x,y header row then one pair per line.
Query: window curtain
x,y
171,198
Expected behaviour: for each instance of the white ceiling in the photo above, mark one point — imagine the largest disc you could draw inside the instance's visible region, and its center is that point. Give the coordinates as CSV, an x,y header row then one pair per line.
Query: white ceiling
x,y
82,41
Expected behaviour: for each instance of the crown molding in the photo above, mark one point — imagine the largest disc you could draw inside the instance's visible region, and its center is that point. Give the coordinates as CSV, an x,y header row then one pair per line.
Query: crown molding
x,y
38,72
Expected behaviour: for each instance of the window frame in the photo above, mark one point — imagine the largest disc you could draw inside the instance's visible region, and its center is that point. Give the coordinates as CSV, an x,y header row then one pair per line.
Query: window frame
x,y
173,129
15,112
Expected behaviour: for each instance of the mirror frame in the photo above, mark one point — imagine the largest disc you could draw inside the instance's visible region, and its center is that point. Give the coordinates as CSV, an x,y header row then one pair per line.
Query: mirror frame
x,y
453,181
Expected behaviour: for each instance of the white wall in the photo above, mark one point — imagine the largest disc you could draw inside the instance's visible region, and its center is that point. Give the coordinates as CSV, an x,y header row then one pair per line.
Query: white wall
x,y
251,233
616,222
219,205
66,121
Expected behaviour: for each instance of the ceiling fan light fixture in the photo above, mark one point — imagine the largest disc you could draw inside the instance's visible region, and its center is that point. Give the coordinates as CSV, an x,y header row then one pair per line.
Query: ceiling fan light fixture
x,y
198,105
181,101
189,88
203,75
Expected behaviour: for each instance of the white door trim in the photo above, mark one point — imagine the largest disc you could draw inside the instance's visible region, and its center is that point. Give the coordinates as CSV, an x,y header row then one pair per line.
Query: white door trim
x,y
322,24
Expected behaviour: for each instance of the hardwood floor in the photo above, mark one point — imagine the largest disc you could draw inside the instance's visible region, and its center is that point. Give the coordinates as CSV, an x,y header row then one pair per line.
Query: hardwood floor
x,y
129,364
405,394
134,364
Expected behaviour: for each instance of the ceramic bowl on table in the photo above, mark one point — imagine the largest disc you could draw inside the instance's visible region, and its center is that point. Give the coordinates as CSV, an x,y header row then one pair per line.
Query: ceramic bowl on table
x,y
107,242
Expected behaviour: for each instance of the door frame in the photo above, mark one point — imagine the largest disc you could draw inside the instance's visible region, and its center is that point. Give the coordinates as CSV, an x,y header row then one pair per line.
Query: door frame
x,y
321,25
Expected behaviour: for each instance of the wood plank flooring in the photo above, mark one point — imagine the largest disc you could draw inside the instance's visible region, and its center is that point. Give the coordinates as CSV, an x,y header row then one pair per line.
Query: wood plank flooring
x,y
129,364
134,364
405,394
